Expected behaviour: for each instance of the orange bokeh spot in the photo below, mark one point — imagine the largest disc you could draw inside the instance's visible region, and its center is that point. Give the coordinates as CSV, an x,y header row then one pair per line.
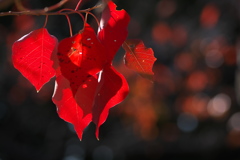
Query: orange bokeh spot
x,y
233,139
179,36
230,55
184,62
196,105
165,80
161,32
166,8
209,16
197,81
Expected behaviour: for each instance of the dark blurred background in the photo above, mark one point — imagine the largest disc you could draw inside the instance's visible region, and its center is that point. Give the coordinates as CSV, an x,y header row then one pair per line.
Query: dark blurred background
x,y
190,111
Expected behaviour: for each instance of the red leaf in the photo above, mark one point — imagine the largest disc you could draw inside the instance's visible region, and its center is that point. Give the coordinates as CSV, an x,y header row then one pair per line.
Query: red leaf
x,y
139,58
112,89
113,29
32,56
75,109
80,57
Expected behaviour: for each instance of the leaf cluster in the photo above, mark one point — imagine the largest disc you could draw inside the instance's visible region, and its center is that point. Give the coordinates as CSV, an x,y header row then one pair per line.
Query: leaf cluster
x,y
87,85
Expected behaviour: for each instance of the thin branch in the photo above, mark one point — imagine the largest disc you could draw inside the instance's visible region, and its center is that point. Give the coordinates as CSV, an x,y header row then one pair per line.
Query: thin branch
x,y
43,12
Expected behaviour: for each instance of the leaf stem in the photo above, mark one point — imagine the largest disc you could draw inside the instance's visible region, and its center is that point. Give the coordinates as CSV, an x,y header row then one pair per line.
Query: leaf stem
x,y
98,23
78,5
85,21
71,10
46,20
70,25
68,19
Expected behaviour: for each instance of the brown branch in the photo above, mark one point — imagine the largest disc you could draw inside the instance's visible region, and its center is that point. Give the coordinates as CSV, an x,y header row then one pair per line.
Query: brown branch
x,y
43,12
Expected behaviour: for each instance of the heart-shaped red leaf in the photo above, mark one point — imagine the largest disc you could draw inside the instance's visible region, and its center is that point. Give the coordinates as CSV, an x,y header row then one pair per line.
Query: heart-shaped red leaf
x,y
112,89
113,29
31,55
139,58
76,109
80,57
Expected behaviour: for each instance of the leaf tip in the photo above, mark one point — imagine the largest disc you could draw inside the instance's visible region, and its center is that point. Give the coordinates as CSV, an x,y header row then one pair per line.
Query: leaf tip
x,y
79,134
97,133
38,88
